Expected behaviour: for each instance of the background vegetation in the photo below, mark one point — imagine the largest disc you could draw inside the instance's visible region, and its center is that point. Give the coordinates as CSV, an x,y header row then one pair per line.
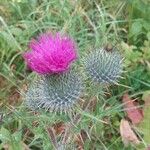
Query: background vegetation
x,y
93,24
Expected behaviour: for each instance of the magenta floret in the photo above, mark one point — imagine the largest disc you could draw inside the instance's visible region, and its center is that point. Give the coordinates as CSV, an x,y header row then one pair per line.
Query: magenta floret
x,y
51,53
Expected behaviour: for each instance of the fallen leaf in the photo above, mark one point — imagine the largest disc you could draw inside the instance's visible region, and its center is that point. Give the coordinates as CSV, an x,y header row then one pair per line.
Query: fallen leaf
x,y
59,128
127,134
79,141
148,148
134,113
25,87
80,138
2,82
14,96
92,104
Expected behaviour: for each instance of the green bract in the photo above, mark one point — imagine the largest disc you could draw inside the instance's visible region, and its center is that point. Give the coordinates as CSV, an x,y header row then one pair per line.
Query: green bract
x,y
103,66
58,92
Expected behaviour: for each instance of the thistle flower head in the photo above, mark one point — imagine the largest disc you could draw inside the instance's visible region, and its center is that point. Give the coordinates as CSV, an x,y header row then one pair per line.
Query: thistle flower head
x,y
103,66
51,53
58,92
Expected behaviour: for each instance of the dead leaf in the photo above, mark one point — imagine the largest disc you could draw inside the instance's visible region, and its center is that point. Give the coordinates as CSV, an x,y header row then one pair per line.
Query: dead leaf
x,y
80,139
25,87
59,128
6,147
127,134
14,96
92,105
148,148
2,82
134,113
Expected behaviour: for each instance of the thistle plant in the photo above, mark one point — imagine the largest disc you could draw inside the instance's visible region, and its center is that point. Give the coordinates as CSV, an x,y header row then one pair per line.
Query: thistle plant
x,y
56,93
57,86
103,66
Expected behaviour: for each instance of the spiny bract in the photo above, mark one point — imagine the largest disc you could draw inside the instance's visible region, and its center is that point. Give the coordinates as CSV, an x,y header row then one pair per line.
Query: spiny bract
x,y
56,93
103,66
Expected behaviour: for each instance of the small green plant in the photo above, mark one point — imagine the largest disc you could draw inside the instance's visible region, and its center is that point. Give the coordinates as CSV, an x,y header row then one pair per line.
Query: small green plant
x,y
138,21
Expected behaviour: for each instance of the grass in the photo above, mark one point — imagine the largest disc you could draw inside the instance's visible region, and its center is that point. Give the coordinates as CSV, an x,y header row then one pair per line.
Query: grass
x,y
92,24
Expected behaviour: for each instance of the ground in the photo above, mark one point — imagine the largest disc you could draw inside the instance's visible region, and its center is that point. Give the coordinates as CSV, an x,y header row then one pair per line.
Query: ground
x,y
123,25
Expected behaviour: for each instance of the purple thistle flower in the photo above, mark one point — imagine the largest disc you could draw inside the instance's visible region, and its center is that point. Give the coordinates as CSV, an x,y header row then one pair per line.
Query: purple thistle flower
x,y
51,53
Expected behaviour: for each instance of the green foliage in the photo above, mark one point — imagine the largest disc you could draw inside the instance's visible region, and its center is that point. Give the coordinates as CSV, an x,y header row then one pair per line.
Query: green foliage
x,y
137,63
144,126
13,141
138,21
